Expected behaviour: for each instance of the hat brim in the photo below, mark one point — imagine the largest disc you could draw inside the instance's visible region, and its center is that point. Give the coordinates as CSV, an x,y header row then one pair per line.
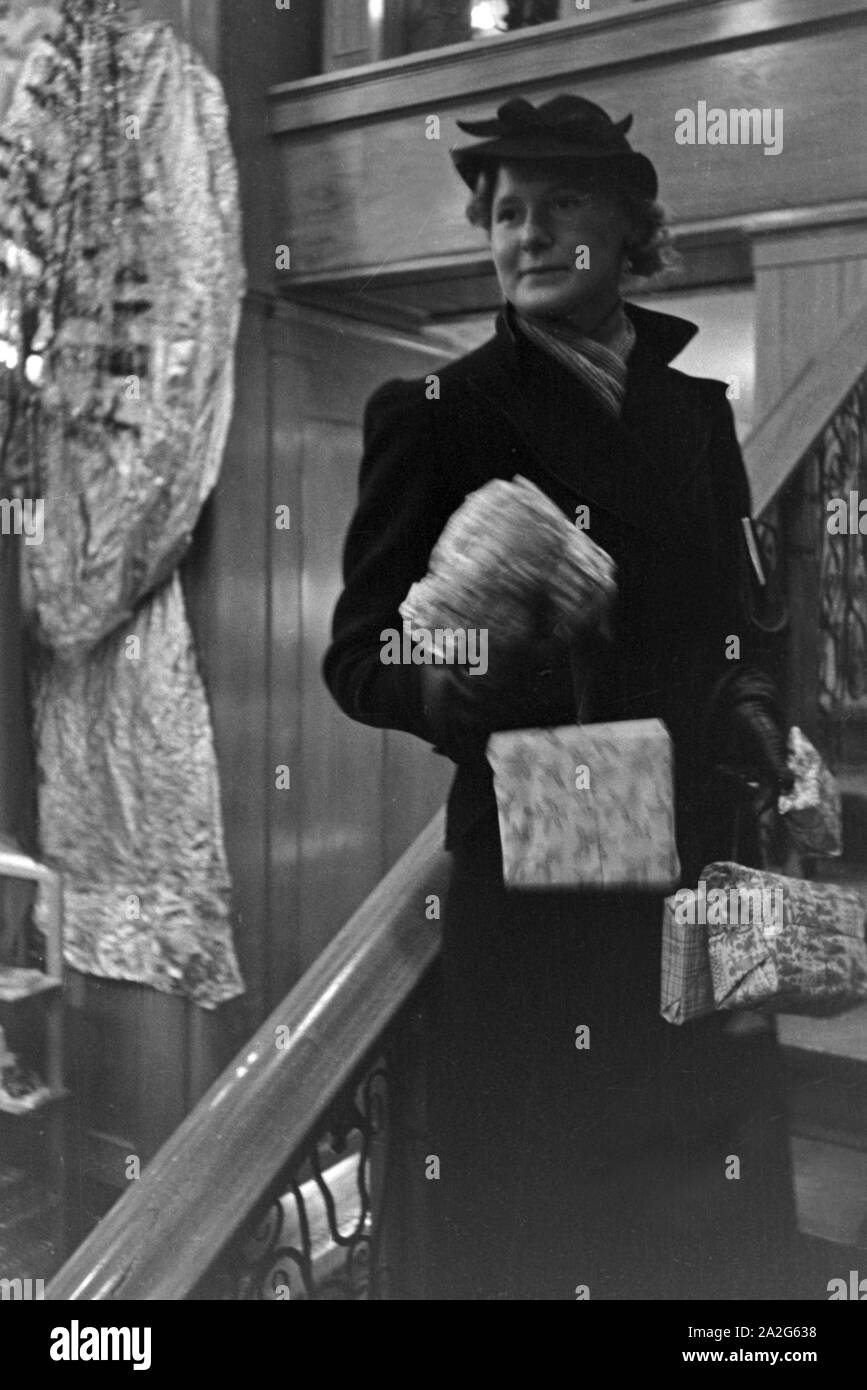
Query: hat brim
x,y
628,169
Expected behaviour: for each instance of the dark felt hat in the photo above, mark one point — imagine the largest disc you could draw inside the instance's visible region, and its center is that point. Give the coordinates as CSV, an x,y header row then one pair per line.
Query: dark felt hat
x,y
566,127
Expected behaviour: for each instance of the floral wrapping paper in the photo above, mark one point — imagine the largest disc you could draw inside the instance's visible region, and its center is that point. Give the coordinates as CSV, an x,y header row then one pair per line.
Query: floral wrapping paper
x,y
587,806
812,811
811,958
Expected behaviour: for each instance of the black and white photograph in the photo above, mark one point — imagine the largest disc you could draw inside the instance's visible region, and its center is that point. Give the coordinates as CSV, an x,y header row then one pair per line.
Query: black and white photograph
x,y
433,664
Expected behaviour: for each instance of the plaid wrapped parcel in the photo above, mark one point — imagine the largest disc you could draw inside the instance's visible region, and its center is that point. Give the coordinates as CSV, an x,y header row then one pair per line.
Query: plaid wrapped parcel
x,y
687,987
586,806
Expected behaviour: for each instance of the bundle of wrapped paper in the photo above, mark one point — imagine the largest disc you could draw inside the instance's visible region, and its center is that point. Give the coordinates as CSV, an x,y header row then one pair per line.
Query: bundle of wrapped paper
x,y
812,811
510,562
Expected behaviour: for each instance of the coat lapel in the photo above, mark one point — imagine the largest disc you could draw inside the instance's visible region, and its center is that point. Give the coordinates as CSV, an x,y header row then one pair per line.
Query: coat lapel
x,y
637,469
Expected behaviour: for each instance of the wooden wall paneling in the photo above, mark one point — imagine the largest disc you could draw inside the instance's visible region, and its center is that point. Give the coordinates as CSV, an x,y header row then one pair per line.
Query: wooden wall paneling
x,y
212,1038
226,582
807,284
356,806
126,1053
412,207
339,362
152,1050
281,929
350,35
772,372
317,400
853,280
342,763
261,44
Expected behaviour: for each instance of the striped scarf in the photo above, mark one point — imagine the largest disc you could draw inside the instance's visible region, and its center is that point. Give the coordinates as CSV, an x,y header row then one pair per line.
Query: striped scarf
x,y
599,362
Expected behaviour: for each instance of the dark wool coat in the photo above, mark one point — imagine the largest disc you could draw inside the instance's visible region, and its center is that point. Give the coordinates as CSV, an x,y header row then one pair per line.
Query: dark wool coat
x,y
565,1166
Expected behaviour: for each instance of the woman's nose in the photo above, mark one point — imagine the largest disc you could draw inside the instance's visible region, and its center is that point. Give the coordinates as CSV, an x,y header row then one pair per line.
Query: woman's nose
x,y
535,231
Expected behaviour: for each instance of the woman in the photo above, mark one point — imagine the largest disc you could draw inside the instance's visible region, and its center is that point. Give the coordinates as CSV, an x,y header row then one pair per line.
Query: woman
x,y
567,1170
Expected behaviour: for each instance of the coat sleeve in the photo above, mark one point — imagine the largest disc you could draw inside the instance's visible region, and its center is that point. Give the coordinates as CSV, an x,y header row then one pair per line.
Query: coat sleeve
x,y
752,676
404,502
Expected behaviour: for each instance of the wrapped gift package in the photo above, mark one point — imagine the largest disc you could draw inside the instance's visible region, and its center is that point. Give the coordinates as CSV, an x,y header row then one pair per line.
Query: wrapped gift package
x,y
586,806
508,561
796,945
812,811
687,987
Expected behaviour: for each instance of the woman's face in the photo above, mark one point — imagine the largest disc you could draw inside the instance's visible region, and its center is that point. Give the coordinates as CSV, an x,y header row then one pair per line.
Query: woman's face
x,y
557,246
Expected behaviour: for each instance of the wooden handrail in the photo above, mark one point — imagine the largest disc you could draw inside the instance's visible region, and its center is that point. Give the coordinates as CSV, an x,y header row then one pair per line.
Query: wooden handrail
x,y
164,1233
779,443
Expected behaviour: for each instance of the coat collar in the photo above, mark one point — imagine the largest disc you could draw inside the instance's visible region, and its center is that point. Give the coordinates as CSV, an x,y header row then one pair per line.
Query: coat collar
x,y
661,335
664,335
638,468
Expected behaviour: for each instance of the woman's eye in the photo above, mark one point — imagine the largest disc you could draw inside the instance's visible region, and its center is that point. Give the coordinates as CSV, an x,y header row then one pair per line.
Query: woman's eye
x,y
506,214
570,200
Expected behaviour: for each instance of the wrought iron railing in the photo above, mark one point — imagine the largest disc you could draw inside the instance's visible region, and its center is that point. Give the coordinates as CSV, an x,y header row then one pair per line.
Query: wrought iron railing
x,y
811,450
840,462
318,1232
337,1221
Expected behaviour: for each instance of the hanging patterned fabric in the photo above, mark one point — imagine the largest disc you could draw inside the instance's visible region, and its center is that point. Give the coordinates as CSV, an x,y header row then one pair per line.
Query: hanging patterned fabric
x,y
120,227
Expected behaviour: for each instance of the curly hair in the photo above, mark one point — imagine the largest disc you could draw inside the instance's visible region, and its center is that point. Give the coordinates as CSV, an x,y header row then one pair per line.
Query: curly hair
x,y
649,247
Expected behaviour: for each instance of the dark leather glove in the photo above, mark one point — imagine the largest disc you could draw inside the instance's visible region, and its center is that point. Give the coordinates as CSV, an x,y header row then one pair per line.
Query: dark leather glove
x,y
761,744
531,686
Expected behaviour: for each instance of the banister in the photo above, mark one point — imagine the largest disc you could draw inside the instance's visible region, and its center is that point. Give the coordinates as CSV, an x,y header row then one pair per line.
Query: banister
x,y
161,1237
778,444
